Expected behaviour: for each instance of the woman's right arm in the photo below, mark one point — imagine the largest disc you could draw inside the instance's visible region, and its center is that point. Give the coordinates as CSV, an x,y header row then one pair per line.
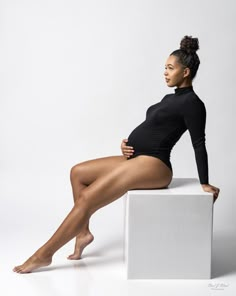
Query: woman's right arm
x,y
127,151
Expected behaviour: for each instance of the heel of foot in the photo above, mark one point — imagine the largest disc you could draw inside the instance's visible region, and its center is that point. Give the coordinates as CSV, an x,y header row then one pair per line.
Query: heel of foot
x,y
81,243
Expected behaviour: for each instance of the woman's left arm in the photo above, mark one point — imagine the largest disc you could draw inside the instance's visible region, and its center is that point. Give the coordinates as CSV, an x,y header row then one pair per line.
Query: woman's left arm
x,y
195,121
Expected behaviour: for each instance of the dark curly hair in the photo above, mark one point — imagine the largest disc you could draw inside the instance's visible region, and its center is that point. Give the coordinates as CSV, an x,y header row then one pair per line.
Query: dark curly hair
x,y
187,55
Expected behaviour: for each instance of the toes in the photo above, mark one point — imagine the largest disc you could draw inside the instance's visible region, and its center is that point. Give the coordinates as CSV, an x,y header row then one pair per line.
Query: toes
x,y
16,268
70,257
73,257
20,269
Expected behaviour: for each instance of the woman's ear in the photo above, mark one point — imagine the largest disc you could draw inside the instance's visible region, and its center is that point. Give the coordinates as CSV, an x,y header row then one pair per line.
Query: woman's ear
x,y
186,72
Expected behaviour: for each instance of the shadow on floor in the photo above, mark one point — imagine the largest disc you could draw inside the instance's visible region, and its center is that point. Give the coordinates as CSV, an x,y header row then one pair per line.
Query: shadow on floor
x,y
223,254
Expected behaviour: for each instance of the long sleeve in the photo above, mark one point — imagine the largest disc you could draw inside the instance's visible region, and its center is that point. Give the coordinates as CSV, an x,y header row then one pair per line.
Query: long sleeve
x,y
194,113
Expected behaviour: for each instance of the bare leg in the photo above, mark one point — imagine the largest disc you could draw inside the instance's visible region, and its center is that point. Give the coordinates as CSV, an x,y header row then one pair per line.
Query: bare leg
x,y
140,172
82,175
85,237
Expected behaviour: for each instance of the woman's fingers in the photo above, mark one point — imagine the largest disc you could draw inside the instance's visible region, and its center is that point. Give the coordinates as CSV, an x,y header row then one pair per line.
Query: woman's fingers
x,y
123,144
216,193
212,189
127,151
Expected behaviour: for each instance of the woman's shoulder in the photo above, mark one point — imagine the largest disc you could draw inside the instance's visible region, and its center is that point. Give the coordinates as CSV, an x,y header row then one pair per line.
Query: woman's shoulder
x,y
193,105
192,98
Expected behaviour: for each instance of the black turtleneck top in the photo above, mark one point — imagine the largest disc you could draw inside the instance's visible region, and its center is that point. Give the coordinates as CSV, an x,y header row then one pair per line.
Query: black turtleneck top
x,y
166,122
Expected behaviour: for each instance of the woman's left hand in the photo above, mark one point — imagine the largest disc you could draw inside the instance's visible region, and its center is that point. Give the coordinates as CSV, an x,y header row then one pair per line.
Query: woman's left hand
x,y
212,189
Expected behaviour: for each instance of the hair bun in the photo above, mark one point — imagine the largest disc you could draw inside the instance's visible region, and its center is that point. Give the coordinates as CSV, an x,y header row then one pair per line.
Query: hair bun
x,y
189,44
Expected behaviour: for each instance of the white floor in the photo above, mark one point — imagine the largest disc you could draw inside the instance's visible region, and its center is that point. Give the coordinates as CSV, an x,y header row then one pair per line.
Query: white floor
x,y
101,271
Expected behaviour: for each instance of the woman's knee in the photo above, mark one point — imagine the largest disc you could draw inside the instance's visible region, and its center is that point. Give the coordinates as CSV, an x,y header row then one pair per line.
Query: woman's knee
x,y
84,205
76,172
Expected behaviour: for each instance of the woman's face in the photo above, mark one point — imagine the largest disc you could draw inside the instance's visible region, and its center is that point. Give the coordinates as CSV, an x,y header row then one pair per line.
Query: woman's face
x,y
175,73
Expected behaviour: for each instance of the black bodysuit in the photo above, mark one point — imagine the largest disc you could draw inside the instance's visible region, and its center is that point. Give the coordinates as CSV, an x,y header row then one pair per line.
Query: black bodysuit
x,y
165,123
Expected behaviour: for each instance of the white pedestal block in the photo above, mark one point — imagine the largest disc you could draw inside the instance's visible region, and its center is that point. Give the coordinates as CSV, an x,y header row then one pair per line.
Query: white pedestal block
x,y
168,232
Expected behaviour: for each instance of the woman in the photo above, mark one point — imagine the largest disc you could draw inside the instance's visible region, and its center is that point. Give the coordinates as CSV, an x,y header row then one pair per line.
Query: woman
x,y
98,182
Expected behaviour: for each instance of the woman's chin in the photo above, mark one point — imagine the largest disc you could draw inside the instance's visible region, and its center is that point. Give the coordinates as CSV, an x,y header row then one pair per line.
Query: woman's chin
x,y
169,84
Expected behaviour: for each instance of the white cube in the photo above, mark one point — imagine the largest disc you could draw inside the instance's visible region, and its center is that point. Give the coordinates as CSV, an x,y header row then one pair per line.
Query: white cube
x,y
168,232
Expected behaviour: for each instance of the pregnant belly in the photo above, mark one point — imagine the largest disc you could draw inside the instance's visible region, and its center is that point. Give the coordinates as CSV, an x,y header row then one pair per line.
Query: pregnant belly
x,y
144,140
149,142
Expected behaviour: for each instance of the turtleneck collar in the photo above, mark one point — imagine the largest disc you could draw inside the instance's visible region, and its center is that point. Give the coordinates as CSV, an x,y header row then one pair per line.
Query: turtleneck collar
x,y
182,90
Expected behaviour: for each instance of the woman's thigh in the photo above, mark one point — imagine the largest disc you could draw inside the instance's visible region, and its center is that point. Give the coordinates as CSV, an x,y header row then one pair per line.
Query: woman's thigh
x,y
88,171
141,172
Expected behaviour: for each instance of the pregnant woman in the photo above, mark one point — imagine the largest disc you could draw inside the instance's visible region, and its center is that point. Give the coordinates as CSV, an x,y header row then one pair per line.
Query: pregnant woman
x,y
145,163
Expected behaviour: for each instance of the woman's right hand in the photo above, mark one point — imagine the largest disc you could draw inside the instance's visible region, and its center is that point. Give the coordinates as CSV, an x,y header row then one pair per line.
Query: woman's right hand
x,y
127,151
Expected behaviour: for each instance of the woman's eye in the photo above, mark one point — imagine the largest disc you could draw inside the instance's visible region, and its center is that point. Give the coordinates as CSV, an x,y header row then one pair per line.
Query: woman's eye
x,y
169,68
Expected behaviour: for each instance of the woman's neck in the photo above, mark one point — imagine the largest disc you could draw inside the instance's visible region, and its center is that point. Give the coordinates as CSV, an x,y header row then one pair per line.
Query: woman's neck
x,y
185,83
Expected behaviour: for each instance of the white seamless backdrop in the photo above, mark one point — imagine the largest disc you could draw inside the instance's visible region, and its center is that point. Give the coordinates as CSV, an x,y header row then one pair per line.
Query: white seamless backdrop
x,y
78,76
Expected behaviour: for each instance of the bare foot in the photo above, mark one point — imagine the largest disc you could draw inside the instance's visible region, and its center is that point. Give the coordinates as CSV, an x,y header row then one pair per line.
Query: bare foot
x,y
32,263
81,243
